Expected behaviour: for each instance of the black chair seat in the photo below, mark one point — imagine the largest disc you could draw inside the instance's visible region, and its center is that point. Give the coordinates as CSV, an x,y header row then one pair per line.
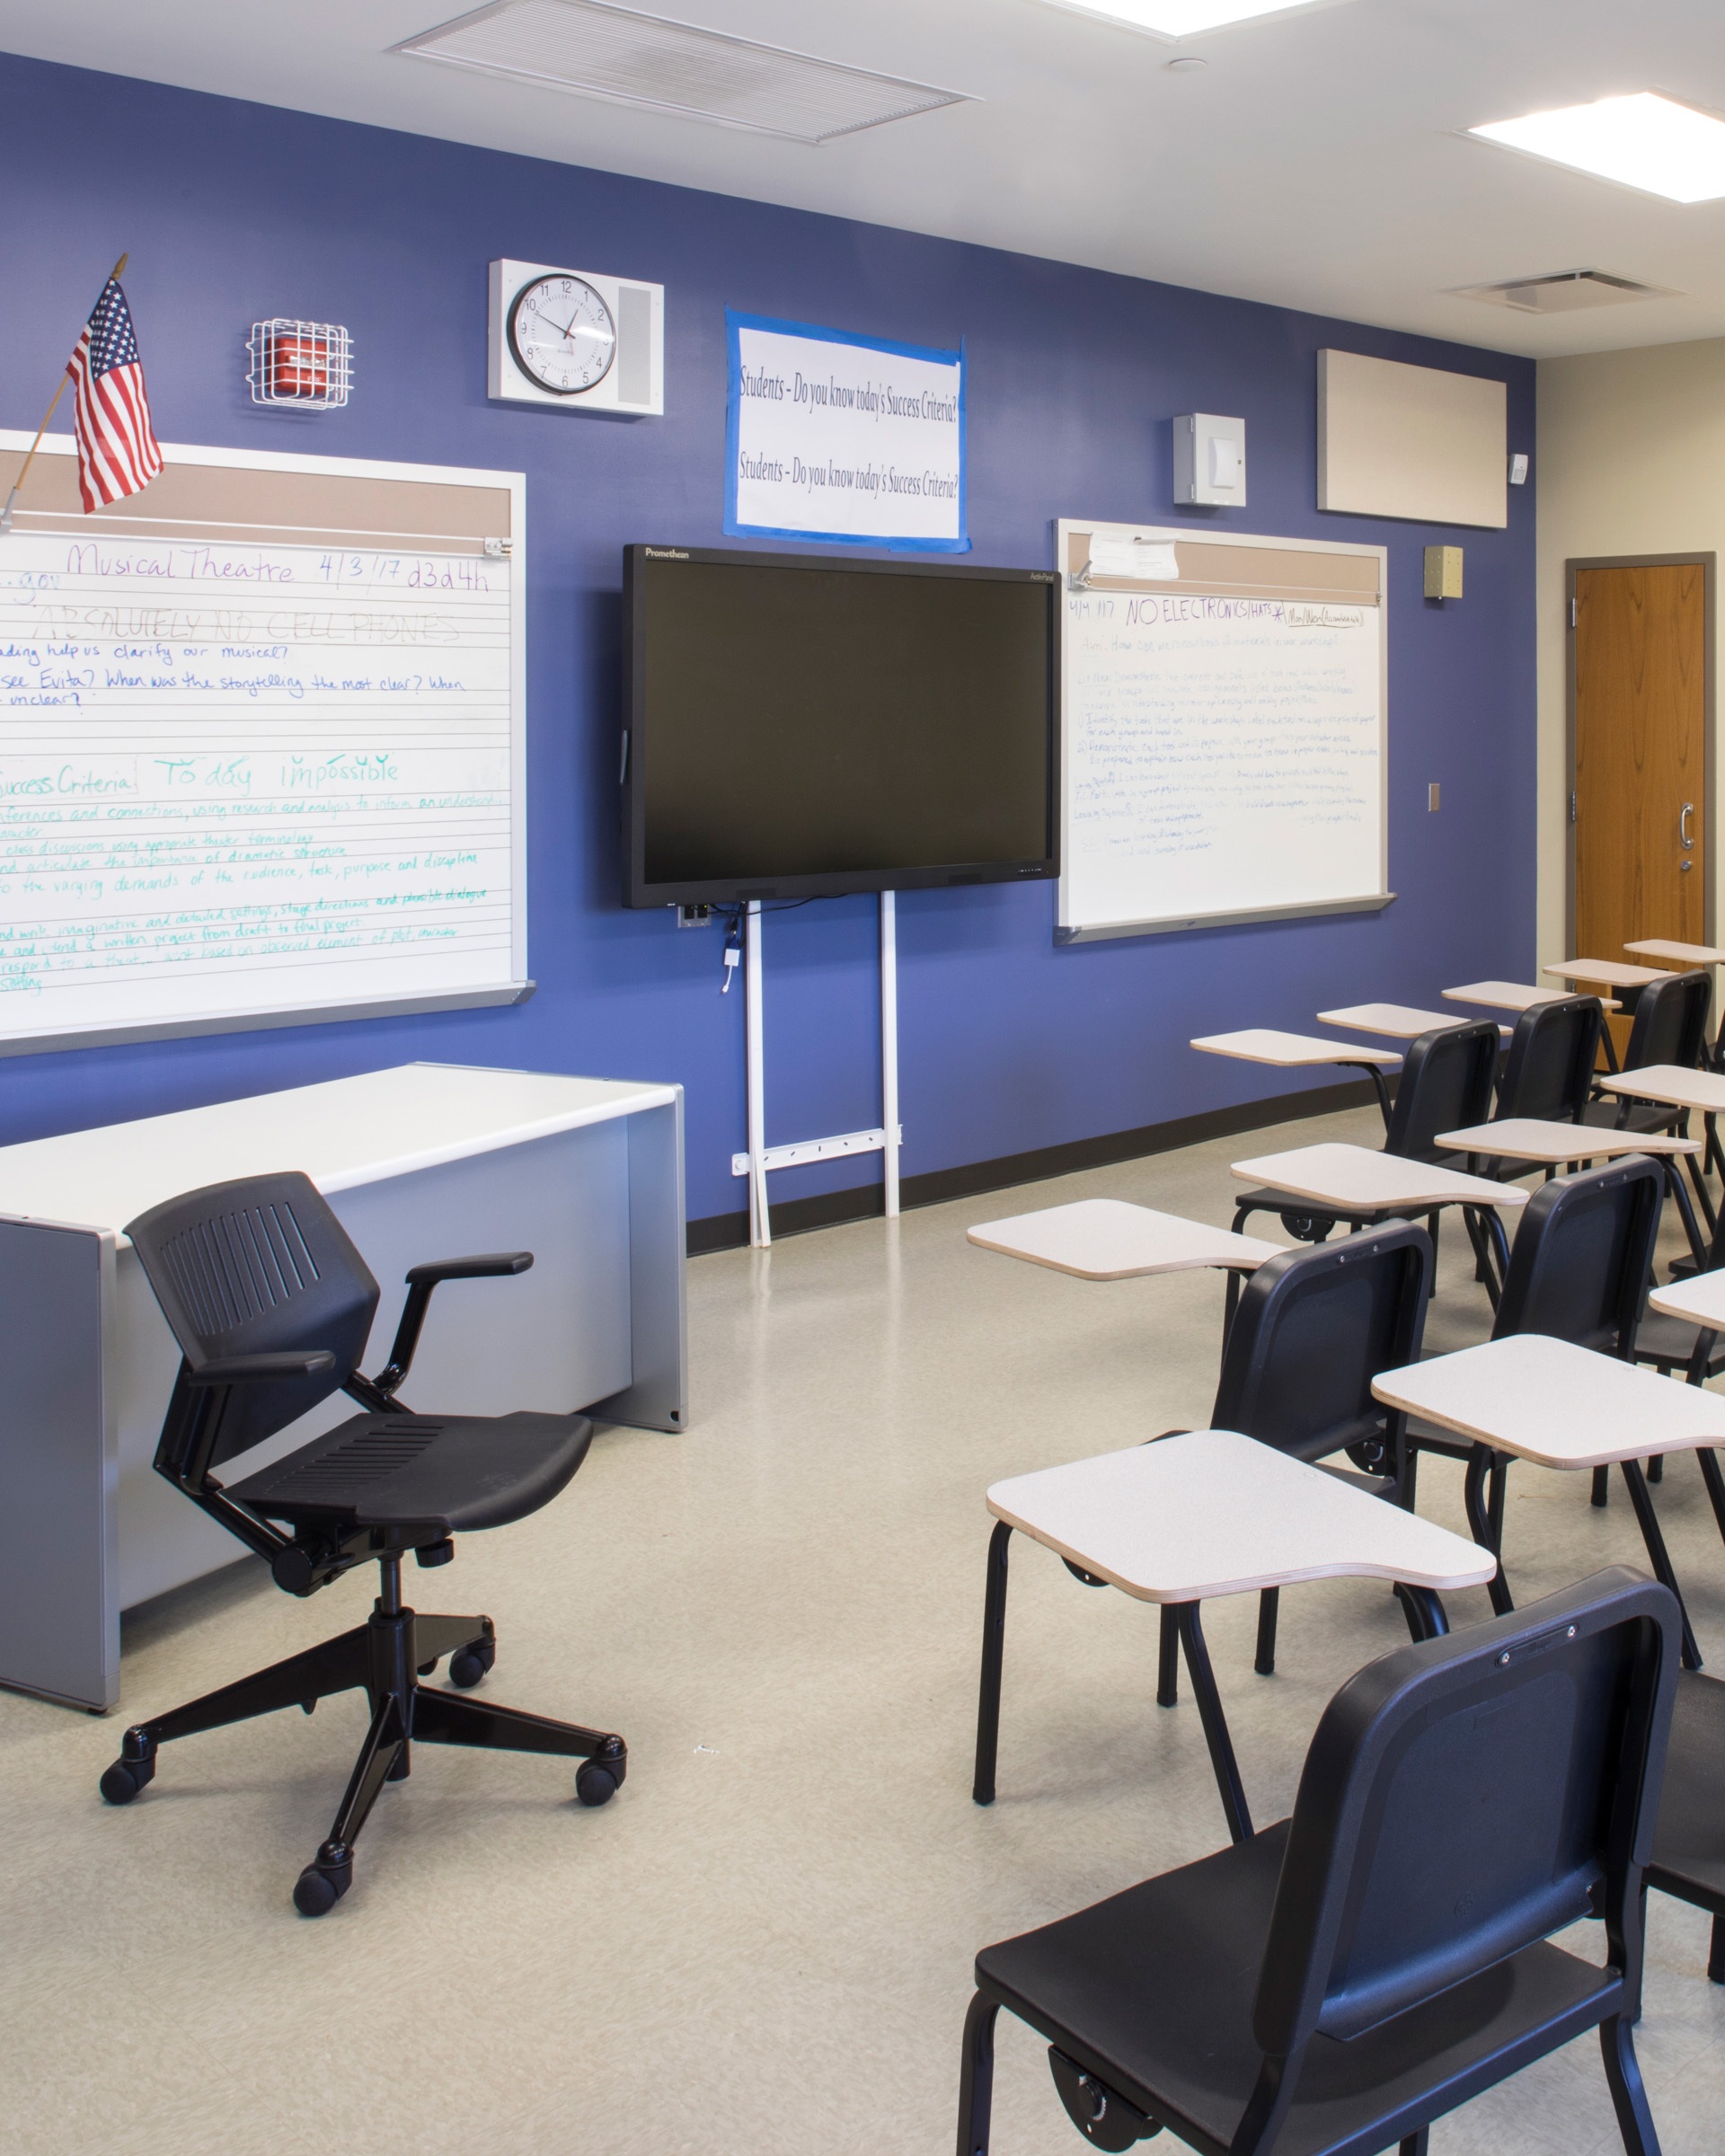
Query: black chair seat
x,y
1689,1841
1669,1342
1160,1981
1612,1115
447,1473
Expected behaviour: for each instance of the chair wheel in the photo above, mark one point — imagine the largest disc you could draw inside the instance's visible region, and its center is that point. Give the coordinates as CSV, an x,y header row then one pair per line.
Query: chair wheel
x,y
468,1665
323,1883
594,1784
426,1668
126,1778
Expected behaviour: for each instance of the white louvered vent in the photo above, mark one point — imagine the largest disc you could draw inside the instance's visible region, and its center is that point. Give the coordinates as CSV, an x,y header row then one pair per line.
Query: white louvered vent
x,y
628,58
1564,292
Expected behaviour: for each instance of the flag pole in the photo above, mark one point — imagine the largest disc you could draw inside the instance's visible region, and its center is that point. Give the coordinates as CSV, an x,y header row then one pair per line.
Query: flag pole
x,y
6,514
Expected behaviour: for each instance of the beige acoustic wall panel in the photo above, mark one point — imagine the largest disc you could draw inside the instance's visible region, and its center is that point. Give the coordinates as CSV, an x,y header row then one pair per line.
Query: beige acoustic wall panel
x,y
1411,441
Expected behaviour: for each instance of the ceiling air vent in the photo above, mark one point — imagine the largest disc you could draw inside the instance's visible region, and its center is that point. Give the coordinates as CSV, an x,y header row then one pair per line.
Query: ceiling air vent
x,y
627,59
1564,292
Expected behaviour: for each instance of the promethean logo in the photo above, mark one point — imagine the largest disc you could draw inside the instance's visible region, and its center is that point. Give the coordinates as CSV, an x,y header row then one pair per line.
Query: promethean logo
x,y
664,553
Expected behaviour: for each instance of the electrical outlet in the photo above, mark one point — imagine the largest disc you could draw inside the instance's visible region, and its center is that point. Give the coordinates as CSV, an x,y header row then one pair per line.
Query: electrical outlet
x,y
694,916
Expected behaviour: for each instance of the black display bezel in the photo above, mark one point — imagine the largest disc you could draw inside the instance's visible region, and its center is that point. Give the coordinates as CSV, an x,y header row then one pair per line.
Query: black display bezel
x,y
726,892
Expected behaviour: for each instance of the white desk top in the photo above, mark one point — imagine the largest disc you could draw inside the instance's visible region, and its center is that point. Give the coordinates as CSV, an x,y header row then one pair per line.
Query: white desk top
x,y
1525,1138
1352,1176
348,1132
1213,1513
1556,1404
1669,1084
1700,1301
1106,1239
1263,1044
1400,1022
1612,972
1683,954
1512,996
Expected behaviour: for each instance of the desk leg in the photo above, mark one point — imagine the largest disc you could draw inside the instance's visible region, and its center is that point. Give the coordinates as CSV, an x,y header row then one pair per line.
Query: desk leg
x,y
1659,1557
1426,1616
1674,1183
993,1640
1374,1072
1216,1727
1715,1481
1482,1462
657,1397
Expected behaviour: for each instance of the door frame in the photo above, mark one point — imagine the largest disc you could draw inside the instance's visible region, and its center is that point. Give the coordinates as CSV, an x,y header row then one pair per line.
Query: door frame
x,y
1708,563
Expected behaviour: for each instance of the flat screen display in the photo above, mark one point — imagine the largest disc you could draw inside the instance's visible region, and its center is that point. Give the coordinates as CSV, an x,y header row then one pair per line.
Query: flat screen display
x,y
798,727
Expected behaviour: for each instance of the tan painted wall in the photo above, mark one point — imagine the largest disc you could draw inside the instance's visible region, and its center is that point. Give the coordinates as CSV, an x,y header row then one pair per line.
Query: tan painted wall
x,y
1632,460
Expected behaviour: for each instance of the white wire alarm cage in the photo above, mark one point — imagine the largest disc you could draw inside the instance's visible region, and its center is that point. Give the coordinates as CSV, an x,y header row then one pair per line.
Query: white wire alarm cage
x,y
309,364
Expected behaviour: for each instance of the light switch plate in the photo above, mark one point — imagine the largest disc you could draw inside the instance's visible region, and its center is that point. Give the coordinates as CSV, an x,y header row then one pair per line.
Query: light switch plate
x,y
1209,459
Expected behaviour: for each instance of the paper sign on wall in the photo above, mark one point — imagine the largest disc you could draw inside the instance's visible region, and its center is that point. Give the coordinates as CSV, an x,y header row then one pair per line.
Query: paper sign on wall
x,y
834,437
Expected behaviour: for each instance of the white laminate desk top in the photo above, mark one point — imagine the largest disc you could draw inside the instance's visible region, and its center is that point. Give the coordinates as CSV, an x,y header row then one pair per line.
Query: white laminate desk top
x,y
1106,1239
1213,1513
1400,1022
1612,972
1556,1404
1525,1138
1512,996
347,1132
1263,1044
1698,1301
1354,1177
1670,1085
1683,954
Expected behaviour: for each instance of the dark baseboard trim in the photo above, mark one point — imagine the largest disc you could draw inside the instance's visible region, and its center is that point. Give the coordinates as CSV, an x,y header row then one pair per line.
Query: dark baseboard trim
x,y
798,1216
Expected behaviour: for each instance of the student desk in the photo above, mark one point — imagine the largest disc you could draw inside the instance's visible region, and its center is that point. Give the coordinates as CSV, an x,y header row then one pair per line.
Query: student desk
x,y
1399,1021
1544,1399
1355,1181
1612,973
1303,1051
425,1160
1206,1512
1543,1144
1510,995
1107,1239
1680,954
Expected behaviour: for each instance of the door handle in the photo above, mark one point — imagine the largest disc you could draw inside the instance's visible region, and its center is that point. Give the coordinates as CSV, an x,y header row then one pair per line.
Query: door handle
x,y
1684,839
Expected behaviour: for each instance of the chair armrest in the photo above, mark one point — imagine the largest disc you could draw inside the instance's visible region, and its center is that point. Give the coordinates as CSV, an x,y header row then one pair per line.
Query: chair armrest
x,y
490,1266
256,1369
421,1279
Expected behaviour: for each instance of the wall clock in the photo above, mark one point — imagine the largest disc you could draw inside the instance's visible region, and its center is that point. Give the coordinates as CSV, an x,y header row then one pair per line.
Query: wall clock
x,y
576,339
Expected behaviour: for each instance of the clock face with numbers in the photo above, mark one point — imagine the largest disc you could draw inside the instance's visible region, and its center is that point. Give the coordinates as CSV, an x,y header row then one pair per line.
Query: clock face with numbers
x,y
561,334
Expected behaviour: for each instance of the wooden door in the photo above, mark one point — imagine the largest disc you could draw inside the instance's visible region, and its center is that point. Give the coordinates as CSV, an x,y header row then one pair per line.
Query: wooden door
x,y
1641,743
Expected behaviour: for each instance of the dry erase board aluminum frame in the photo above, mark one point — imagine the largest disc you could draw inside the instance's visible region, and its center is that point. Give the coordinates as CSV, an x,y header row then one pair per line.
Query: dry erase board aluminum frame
x,y
207,494
1220,553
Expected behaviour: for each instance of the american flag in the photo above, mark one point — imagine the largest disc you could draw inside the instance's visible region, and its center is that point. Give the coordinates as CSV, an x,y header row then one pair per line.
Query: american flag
x,y
117,446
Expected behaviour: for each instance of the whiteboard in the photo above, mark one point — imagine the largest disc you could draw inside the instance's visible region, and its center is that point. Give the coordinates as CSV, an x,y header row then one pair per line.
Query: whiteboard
x,y
1224,718
263,762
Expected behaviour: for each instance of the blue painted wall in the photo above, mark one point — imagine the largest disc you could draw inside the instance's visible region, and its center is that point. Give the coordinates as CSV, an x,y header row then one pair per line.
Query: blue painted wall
x,y
235,211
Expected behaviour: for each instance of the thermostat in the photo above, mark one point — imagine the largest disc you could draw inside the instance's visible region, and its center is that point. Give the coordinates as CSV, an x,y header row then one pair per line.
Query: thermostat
x,y
1209,459
577,340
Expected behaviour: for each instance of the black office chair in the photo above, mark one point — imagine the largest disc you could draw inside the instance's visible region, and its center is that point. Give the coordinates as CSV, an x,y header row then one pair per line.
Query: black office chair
x,y
1342,1979
1446,1083
272,1306
1313,1328
1689,1841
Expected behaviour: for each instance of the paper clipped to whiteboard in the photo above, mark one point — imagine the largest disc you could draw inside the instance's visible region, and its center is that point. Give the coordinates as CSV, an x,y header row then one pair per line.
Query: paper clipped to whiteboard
x,y
246,779
1223,729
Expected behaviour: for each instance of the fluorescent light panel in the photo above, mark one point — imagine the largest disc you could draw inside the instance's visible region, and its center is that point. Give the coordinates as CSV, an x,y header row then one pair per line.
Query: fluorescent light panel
x,y
1644,141
1179,18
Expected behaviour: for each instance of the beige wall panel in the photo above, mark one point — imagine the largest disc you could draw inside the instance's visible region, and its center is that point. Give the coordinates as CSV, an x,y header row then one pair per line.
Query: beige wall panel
x,y
1411,441
1632,460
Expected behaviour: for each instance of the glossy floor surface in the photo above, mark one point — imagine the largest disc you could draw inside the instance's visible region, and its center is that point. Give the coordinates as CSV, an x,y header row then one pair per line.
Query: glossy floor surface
x,y
762,1945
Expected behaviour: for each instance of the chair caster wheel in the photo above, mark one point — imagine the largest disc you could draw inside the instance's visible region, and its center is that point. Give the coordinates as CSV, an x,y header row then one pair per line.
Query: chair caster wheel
x,y
323,1883
594,1784
126,1778
468,1665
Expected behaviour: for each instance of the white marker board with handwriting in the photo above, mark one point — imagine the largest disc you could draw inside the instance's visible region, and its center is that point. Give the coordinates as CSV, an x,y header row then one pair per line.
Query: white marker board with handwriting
x,y
263,755
1224,729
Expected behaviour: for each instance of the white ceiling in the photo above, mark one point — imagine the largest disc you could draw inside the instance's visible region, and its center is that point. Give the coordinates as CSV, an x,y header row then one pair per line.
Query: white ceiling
x,y
1313,162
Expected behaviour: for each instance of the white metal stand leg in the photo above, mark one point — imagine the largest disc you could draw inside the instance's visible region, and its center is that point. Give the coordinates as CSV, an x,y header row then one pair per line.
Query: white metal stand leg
x,y
760,1224
889,1046
760,1158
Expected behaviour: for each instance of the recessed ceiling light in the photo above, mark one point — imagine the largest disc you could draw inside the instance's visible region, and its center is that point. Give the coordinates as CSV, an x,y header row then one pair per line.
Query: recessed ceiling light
x,y
1182,18
1645,141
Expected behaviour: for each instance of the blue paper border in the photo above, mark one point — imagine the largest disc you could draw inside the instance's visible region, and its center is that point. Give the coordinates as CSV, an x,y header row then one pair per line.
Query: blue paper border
x,y
734,321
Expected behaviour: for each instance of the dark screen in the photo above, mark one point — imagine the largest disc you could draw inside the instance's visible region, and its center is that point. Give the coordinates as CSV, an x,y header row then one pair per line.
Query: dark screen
x,y
826,721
